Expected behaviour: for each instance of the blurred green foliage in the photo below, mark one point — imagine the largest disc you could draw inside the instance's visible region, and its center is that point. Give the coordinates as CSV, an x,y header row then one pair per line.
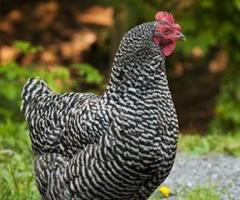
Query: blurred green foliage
x,y
16,172
228,103
90,74
26,47
227,144
14,76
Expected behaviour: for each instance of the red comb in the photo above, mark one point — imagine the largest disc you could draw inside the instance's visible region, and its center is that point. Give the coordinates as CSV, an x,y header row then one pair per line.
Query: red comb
x,y
164,16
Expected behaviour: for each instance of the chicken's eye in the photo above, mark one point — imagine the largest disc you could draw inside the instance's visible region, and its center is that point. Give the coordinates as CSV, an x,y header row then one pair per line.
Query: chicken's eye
x,y
166,31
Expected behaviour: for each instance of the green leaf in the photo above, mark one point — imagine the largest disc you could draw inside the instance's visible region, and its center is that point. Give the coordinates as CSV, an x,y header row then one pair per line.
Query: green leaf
x,y
90,73
237,4
26,47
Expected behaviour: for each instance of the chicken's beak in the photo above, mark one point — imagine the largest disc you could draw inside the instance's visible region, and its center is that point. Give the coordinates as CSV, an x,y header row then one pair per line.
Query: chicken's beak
x,y
181,37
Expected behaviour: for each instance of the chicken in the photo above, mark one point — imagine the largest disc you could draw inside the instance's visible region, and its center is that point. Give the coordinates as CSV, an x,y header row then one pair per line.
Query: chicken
x,y
120,145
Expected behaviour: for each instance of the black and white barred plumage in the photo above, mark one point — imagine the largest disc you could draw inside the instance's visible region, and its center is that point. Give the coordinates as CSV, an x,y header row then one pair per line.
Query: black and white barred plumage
x,y
120,145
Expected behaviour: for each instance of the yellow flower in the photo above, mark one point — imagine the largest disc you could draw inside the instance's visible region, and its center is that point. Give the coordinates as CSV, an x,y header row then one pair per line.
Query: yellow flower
x,y
165,191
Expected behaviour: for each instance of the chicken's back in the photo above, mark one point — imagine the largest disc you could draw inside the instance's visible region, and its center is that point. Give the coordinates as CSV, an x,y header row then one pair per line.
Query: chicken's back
x,y
53,118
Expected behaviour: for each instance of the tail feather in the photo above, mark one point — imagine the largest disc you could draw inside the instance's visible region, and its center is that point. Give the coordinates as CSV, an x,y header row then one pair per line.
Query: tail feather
x,y
33,87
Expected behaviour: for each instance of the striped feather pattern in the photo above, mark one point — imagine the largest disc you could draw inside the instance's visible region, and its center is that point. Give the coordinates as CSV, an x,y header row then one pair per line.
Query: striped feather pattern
x,y
120,145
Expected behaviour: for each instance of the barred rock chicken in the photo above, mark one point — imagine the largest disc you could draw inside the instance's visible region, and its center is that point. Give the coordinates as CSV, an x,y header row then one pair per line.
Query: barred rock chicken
x,y
120,145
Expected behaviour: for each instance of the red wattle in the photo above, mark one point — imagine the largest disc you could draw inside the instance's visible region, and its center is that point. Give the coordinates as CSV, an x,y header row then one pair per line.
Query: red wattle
x,y
168,49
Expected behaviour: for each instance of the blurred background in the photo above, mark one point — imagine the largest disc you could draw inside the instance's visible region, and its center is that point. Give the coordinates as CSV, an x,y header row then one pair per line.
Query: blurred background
x,y
71,44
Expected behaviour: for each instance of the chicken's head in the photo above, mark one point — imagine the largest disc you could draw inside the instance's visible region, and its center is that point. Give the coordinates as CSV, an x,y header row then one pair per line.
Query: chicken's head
x,y
167,32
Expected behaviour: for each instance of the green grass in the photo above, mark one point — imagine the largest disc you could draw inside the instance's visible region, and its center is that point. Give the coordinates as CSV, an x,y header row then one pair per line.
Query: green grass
x,y
202,193
16,161
16,177
213,143
197,193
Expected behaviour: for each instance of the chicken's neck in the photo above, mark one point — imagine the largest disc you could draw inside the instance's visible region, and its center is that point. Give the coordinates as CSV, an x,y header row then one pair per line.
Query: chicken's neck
x,y
143,76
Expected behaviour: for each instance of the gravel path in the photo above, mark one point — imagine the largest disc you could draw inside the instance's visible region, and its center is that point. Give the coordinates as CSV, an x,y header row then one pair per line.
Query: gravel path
x,y
222,172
